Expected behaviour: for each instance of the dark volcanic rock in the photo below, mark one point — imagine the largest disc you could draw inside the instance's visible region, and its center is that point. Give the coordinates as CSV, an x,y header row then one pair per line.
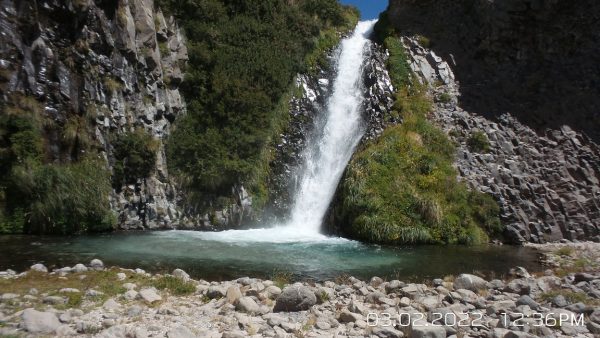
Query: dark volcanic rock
x,y
537,60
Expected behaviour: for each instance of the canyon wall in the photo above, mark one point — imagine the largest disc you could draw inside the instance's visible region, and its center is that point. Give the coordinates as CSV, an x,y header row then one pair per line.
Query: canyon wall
x,y
524,76
538,60
114,65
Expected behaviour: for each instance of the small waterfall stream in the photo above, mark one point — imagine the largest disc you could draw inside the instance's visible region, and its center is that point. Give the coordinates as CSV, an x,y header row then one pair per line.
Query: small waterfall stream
x,y
326,156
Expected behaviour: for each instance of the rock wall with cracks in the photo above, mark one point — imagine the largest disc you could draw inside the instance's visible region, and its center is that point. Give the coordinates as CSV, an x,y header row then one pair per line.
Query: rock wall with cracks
x,y
546,183
117,61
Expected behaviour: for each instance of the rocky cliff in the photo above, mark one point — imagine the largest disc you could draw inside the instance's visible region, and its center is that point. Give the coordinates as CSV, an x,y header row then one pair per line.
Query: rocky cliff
x,y
542,168
538,60
113,65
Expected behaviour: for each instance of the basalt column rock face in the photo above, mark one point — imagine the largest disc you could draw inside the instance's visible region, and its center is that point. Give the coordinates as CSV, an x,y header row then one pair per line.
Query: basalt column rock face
x,y
117,64
537,60
546,183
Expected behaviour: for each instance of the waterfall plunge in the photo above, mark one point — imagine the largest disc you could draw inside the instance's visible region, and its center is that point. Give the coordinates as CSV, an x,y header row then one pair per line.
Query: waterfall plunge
x,y
330,151
327,155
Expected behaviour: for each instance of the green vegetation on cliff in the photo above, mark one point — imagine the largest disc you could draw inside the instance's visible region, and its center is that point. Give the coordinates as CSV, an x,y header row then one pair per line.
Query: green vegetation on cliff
x,y
36,197
402,187
243,59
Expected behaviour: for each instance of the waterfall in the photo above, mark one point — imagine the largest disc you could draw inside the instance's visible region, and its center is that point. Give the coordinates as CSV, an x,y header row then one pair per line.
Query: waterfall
x,y
330,150
326,156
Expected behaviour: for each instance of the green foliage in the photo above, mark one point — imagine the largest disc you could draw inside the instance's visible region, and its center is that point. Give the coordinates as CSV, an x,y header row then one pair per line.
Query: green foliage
x,y
445,98
135,157
175,285
478,142
60,199
397,63
243,58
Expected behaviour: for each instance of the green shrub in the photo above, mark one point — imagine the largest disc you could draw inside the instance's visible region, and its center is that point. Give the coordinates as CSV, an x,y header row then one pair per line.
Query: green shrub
x,y
244,56
135,157
397,63
478,142
445,98
61,199
176,286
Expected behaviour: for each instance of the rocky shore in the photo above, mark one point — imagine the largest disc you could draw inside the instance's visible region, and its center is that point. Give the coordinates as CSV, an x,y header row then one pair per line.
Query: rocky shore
x,y
93,300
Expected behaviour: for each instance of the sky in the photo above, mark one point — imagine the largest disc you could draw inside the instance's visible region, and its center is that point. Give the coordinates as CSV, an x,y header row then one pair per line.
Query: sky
x,y
369,9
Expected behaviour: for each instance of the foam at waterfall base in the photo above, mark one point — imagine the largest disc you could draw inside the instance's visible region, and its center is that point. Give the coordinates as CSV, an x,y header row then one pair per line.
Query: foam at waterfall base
x,y
283,234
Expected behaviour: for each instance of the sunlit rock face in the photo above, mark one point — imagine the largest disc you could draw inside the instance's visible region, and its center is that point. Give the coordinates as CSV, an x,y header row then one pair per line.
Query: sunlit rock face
x,y
116,65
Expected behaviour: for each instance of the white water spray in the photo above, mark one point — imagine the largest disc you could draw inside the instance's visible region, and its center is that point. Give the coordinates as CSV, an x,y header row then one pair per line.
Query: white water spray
x,y
327,155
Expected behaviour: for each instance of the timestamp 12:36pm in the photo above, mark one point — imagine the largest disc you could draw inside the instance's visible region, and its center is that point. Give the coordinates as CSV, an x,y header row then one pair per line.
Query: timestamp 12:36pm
x,y
473,319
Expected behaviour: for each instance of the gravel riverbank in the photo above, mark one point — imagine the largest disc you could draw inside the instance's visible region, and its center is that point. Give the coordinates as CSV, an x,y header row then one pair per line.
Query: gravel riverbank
x,y
93,300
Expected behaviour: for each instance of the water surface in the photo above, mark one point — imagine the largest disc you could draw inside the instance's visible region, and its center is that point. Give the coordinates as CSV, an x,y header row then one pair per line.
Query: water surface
x,y
219,256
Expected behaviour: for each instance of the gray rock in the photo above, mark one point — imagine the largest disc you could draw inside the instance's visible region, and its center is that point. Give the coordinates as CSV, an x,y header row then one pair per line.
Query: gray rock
x,y
394,286
134,311
39,267
111,305
80,268
387,332
149,295
427,331
559,301
295,298
518,286
595,316
216,292
121,276
180,332
272,291
350,317
526,300
96,264
181,275
39,322
248,305
130,295
469,282
233,294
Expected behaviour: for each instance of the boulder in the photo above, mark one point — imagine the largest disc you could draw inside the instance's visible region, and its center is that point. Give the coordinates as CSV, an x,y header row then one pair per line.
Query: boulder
x,y
216,292
178,273
39,267
427,331
180,332
96,264
150,295
295,298
248,305
469,282
79,268
39,322
233,294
